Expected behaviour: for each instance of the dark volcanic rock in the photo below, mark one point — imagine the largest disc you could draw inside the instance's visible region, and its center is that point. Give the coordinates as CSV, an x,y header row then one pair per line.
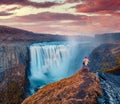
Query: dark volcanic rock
x,y
13,63
104,57
82,88
12,87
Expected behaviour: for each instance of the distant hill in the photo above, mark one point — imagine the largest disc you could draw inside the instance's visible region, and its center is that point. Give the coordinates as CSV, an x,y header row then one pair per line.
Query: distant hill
x,y
9,34
108,37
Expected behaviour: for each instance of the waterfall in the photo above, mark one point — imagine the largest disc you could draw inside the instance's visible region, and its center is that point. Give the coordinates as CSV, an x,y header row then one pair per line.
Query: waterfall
x,y
52,61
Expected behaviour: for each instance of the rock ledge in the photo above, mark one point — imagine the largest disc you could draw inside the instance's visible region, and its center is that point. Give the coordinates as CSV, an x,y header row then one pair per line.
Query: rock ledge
x,y
81,88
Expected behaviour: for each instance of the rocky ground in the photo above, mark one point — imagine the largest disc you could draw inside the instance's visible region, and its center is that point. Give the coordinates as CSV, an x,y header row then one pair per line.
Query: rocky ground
x,y
106,58
82,88
14,60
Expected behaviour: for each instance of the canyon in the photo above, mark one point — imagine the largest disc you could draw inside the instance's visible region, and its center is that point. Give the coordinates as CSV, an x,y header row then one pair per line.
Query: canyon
x,y
15,60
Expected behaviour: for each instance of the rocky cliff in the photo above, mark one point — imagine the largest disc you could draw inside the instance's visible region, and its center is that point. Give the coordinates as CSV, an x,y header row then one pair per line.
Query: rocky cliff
x,y
105,62
13,62
105,57
14,59
82,88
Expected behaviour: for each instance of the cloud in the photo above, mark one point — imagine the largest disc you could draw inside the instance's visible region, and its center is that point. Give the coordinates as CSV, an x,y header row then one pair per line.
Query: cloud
x,y
98,6
73,1
61,21
12,9
29,3
87,25
5,14
48,16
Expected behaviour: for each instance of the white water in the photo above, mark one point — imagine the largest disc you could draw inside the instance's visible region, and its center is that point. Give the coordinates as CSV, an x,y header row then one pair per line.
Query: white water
x,y
52,61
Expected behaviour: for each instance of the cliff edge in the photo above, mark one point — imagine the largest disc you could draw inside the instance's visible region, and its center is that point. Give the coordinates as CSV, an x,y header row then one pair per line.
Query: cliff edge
x,y
106,58
81,88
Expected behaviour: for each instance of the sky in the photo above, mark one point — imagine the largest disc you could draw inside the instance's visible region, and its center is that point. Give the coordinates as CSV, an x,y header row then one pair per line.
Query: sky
x,y
64,17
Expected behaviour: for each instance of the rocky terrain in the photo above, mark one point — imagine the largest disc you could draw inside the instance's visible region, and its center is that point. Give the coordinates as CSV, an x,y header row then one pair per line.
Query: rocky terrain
x,y
81,88
14,60
13,63
106,58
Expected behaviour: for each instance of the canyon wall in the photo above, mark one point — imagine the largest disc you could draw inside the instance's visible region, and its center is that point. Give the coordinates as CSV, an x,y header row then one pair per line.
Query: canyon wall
x,y
13,63
105,62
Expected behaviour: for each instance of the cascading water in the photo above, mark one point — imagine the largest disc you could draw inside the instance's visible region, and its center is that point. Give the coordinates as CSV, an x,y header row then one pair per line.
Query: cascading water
x,y
52,61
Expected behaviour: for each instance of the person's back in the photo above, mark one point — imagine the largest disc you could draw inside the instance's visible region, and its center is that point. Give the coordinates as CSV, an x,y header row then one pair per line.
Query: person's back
x,y
85,61
85,64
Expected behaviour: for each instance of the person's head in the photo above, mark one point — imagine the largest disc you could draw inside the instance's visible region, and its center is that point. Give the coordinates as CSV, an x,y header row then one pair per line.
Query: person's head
x,y
85,57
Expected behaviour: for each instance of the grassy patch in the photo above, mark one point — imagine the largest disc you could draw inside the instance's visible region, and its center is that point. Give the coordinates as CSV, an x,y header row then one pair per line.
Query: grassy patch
x,y
114,70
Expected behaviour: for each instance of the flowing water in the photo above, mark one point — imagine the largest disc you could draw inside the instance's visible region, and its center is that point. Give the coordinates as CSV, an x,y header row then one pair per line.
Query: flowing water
x,y
52,61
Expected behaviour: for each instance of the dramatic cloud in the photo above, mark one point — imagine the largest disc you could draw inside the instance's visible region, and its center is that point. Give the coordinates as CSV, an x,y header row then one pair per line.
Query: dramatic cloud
x,y
72,1
5,14
68,17
12,9
39,1
99,6
29,3
47,16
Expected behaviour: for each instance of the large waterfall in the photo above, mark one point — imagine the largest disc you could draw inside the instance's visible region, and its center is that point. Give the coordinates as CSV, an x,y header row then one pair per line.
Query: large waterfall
x,y
52,61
